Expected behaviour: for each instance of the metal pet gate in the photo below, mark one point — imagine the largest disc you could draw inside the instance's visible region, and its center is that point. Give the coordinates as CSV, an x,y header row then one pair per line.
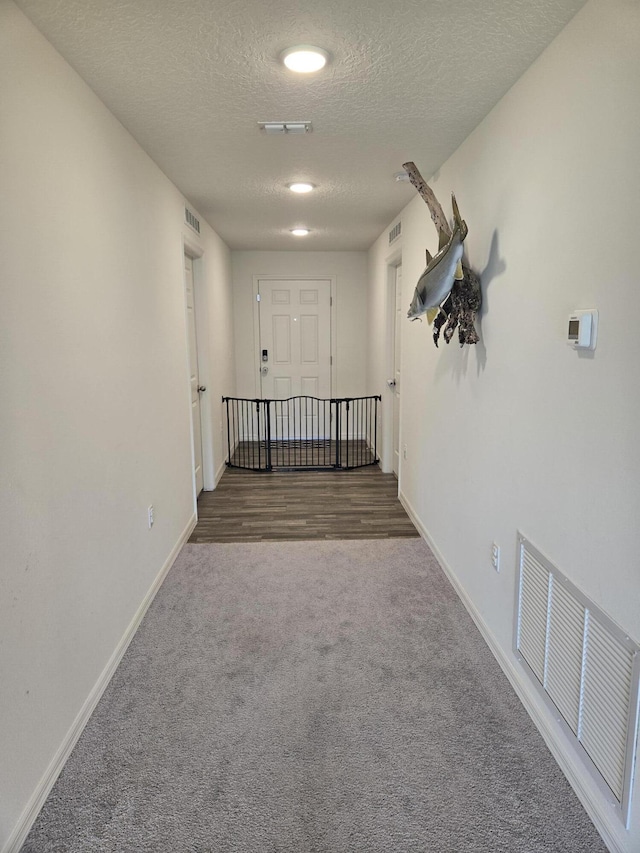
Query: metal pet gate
x,y
302,433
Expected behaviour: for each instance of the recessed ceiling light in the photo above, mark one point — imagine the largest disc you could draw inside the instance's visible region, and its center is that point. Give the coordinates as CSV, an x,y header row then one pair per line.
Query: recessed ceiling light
x,y
299,232
301,187
304,58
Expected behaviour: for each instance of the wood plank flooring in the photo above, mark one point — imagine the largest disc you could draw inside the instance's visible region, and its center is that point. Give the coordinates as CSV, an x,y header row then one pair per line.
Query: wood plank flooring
x,y
313,453
250,506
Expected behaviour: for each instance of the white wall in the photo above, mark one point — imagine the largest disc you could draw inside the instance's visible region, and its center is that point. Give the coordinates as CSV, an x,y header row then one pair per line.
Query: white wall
x,y
521,432
94,419
350,271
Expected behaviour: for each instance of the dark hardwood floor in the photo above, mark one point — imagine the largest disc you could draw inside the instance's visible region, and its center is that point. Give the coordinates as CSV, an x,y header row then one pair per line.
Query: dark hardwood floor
x,y
252,506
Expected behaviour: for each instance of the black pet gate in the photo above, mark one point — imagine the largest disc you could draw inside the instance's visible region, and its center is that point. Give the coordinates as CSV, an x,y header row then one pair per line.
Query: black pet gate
x,y
302,433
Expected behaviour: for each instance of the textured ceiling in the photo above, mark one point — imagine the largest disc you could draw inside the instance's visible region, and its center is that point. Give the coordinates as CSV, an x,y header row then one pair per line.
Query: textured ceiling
x,y
190,79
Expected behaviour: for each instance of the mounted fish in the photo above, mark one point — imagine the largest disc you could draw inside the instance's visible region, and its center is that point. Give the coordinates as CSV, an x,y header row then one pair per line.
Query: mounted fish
x,y
445,297
435,283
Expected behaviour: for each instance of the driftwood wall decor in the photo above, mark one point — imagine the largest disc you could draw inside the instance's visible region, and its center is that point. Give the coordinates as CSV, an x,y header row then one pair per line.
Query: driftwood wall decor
x,y
448,292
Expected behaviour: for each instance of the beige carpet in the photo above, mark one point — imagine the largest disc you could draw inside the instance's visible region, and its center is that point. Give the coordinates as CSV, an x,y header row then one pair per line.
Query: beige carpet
x,y
310,697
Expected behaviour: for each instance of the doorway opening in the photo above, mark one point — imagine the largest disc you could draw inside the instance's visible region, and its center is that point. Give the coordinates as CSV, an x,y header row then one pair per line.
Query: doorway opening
x,y
395,381
390,436
196,389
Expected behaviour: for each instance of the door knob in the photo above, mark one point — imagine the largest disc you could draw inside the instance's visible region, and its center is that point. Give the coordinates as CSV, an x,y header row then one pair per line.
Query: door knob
x,y
264,370
391,383
201,388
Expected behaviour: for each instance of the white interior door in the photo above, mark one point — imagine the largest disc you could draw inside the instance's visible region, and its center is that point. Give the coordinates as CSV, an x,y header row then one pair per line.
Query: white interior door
x,y
295,344
193,374
396,370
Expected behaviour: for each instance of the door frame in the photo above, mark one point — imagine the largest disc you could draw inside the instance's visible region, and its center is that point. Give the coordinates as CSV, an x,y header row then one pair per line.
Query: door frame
x,y
392,261
196,253
257,364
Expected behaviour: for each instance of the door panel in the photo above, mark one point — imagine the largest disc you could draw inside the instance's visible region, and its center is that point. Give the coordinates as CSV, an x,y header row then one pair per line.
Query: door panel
x,y
282,388
309,343
309,386
281,340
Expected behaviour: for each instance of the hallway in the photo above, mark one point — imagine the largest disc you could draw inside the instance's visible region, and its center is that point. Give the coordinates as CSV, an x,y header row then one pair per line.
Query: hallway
x,y
252,506
518,436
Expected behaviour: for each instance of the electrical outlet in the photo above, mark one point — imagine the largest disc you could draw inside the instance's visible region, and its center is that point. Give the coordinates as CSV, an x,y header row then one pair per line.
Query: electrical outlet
x,y
150,516
495,556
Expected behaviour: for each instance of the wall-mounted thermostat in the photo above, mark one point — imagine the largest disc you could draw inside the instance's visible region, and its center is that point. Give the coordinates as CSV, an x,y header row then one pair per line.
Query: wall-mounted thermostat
x,y
583,329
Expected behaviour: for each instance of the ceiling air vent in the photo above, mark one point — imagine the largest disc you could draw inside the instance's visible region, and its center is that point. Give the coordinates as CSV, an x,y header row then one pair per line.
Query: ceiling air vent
x,y
395,232
280,128
191,220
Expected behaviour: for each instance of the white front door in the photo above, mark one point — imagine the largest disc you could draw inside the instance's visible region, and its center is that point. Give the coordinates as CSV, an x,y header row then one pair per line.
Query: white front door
x,y
295,353
397,326
193,374
295,338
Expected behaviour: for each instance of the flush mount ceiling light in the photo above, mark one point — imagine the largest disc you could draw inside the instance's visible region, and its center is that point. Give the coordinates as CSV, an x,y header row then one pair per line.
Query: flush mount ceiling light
x,y
301,187
299,232
304,58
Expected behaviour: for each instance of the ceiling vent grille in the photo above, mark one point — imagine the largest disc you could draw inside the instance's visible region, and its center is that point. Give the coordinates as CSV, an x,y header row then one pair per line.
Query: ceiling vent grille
x,y
395,232
191,220
585,667
280,128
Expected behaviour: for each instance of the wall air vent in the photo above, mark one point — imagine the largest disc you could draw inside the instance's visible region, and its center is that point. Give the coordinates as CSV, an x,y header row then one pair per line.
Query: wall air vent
x,y
586,668
395,232
191,220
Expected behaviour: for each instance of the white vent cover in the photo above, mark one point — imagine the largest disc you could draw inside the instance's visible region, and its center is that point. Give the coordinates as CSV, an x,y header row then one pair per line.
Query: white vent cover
x,y
191,220
584,665
280,128
395,232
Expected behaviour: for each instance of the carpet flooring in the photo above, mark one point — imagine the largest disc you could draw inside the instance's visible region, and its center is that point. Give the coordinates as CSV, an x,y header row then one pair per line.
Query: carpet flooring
x,y
310,697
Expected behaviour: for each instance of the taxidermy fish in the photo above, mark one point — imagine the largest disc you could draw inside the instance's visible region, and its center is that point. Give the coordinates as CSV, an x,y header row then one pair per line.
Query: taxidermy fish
x,y
435,283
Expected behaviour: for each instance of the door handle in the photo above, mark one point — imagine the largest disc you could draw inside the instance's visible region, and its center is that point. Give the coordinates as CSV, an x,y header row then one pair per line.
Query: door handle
x,y
201,388
264,370
391,383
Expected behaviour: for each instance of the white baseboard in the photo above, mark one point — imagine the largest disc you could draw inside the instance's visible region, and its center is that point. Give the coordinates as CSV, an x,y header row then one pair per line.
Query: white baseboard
x,y
220,472
600,812
37,799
